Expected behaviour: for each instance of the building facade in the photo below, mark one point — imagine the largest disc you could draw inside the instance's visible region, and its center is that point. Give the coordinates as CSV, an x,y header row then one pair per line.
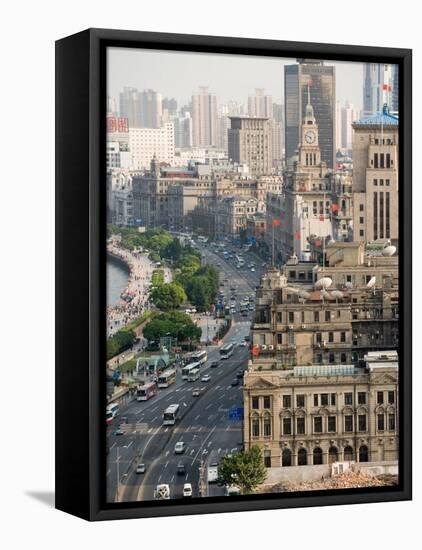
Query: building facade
x,y
312,415
148,143
375,177
250,142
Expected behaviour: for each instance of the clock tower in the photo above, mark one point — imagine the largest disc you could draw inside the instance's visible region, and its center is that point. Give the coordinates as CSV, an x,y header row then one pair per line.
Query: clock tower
x,y
309,151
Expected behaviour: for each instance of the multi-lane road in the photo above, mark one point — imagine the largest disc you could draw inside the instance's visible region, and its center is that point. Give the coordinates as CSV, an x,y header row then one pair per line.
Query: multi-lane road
x,y
204,424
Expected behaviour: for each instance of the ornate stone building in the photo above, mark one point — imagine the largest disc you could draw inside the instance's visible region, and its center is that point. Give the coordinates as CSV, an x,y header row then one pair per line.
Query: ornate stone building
x,y
311,415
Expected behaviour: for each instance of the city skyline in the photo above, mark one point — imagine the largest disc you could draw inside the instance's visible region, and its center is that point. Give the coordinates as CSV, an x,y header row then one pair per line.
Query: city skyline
x,y
239,74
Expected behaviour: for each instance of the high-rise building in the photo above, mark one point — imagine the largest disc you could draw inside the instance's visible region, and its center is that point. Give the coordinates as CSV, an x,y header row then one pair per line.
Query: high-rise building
x,y
380,87
375,177
321,81
250,142
183,131
150,109
204,118
170,105
345,115
111,106
129,106
260,105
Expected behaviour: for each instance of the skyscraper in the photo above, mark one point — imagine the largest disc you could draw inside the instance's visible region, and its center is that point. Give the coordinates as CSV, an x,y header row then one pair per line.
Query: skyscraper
x,y
129,106
250,142
204,118
150,109
345,115
260,104
321,81
380,86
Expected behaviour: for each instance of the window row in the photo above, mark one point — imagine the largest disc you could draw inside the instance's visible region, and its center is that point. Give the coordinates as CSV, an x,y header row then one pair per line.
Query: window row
x,y
317,456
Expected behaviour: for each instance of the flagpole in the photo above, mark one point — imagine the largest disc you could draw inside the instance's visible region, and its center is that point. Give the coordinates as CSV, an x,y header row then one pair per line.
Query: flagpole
x,y
273,245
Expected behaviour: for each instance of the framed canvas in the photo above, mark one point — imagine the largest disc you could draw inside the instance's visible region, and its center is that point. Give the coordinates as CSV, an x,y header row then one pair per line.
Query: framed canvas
x,y
233,222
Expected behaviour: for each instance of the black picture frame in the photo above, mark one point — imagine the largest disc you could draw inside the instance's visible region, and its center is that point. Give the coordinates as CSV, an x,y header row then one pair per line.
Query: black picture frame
x,y
81,260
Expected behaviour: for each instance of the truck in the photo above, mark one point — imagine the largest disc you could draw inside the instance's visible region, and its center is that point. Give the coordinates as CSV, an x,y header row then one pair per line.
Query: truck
x,y
162,492
212,473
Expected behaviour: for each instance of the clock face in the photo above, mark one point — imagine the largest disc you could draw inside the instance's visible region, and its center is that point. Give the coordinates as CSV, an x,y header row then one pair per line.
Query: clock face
x,y
310,137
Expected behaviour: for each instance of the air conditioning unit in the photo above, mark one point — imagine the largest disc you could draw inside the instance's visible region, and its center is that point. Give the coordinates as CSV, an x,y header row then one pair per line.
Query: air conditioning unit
x,y
263,346
270,348
279,347
303,326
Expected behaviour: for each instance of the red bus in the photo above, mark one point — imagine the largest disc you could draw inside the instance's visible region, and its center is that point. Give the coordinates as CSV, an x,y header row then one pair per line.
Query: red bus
x,y
145,392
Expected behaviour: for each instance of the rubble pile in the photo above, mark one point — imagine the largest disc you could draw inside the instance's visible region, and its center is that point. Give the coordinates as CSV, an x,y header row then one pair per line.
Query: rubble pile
x,y
348,480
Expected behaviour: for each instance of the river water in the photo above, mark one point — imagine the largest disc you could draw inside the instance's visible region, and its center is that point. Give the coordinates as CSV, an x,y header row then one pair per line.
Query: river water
x,y
117,277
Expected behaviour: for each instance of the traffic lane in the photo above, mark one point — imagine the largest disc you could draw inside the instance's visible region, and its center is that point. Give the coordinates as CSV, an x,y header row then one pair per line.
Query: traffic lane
x,y
144,417
195,431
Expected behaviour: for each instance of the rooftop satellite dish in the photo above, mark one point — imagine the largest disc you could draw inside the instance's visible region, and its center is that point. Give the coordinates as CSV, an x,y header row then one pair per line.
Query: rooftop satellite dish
x,y
389,251
324,294
371,283
349,285
325,282
337,294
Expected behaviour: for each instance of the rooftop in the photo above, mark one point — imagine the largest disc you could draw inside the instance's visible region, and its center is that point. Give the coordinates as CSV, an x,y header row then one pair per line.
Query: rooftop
x,y
380,119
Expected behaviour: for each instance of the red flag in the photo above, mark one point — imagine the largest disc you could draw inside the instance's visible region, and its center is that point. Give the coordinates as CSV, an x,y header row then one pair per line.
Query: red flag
x,y
297,235
276,222
321,218
334,207
386,87
317,243
255,351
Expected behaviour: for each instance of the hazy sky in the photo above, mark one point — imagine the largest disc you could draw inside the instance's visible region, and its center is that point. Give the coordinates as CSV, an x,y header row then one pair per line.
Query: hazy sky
x,y
178,75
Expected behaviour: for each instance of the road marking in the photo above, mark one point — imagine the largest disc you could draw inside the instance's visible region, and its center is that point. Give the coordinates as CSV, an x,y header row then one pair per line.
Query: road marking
x,y
219,450
172,479
208,406
192,451
166,464
166,429
150,430
108,472
159,479
129,444
196,417
167,453
114,444
186,477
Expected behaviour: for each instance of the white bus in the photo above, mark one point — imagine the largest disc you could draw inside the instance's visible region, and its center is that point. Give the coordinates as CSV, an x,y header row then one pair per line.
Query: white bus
x,y
188,369
145,392
167,378
111,412
170,415
226,351
194,375
199,357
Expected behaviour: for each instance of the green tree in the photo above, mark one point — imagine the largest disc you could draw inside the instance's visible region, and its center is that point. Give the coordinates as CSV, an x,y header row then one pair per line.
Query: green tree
x,y
168,296
173,250
176,324
245,469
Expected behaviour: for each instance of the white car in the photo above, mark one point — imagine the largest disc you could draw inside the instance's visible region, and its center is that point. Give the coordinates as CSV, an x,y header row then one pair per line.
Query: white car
x,y
243,344
206,378
252,269
179,448
187,490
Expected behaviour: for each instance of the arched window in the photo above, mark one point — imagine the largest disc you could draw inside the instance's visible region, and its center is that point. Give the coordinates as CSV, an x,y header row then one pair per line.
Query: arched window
x,y
332,455
255,426
363,453
317,455
286,457
267,425
302,457
348,453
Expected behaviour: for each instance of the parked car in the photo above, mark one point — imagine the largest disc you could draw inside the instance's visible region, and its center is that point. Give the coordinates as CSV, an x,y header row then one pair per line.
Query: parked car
x,y
179,448
235,382
214,364
119,431
196,392
140,469
239,374
206,378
